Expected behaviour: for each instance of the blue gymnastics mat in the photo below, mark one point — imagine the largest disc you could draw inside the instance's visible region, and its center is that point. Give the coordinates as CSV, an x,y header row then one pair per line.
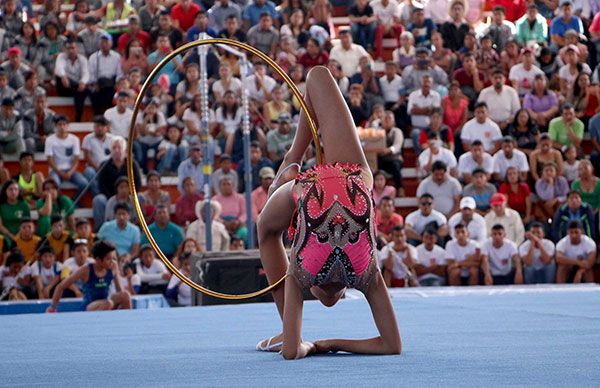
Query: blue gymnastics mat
x,y
482,336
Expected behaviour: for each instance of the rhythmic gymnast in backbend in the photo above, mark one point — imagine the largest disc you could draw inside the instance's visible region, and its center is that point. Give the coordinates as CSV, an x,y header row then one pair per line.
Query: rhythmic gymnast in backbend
x,y
332,229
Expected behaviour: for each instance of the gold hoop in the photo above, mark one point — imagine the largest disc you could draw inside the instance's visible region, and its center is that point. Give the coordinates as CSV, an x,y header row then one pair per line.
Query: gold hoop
x,y
130,173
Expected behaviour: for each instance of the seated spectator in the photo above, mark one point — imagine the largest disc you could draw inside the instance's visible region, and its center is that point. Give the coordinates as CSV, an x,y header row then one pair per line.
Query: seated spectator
x,y
228,117
166,27
11,129
221,11
183,14
425,217
391,83
405,54
29,180
83,230
442,55
134,31
486,57
257,162
185,206
510,219
510,56
532,26
390,159
444,188
482,128
125,235
387,219
380,188
104,70
46,272
501,100
480,190
96,150
280,139
134,58
475,158
421,27
15,276
253,11
53,203
80,258
412,76
59,239
584,98
575,253
90,36
397,261
26,41
437,126
545,154
463,258
172,151
571,165
472,220
508,157
566,129
501,263
38,124
524,132
420,106
26,94
588,185
319,14
469,78
167,234
72,76
236,244
551,191
431,263
347,54
189,246
522,75
63,152
541,102
259,84
120,115
362,24
150,131
233,205
260,194
4,173
26,241
122,195
224,170
153,196
358,105
369,82
264,36
231,29
537,256
576,210
192,167
13,209
568,73
15,69
500,29
453,31
5,90
594,130
178,292
518,194
197,229
274,108
173,68
433,153
226,83
153,273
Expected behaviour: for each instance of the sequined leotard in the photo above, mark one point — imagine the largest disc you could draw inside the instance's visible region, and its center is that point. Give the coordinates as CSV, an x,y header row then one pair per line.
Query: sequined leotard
x,y
333,228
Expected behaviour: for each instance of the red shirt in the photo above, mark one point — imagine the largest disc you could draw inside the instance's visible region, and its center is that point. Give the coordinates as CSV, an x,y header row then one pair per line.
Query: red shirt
x,y
142,36
464,79
514,8
516,201
307,61
595,27
185,17
386,225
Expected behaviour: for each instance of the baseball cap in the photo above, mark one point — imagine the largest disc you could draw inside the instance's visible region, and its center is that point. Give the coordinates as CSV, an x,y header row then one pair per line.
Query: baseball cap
x,y
285,117
468,203
107,36
497,199
266,172
14,51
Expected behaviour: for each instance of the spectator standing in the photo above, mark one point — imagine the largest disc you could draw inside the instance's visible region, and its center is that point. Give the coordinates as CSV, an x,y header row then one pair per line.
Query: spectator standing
x,y
508,218
537,255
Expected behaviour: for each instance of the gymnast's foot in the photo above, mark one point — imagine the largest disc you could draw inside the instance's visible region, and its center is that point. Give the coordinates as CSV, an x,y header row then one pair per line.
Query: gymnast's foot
x,y
273,344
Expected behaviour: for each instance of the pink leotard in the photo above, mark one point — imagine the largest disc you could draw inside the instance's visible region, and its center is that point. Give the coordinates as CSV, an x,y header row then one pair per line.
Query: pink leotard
x,y
333,228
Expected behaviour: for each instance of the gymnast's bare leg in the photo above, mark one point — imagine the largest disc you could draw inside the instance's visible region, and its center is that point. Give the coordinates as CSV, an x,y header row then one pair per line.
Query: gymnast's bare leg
x,y
340,143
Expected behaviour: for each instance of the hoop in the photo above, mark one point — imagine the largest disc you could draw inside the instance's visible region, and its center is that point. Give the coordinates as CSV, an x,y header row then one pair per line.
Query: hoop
x,y
130,173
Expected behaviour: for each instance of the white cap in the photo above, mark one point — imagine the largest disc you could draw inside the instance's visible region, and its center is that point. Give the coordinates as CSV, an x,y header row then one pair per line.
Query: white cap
x,y
468,202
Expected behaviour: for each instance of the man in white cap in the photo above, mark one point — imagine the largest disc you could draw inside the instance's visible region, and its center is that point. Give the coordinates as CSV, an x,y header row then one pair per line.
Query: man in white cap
x,y
260,194
467,216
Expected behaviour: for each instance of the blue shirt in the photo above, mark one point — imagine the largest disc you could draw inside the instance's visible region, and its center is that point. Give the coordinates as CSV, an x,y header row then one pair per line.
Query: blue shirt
x,y
96,288
194,31
594,127
168,69
168,239
263,162
423,38
186,169
124,239
559,27
252,12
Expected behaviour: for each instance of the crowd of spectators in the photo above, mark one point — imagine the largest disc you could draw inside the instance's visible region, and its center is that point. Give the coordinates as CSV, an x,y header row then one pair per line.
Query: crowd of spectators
x,y
499,99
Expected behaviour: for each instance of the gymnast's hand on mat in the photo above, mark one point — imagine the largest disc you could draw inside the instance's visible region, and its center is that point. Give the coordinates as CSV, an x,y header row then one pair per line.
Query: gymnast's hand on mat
x,y
325,346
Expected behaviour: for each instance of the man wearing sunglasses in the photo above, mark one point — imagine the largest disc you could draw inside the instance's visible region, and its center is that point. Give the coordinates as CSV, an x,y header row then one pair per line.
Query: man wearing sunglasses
x,y
425,217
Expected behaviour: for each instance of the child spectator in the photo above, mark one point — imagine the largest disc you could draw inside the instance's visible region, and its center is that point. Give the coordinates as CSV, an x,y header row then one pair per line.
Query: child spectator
x,y
480,190
387,219
130,281
380,188
187,247
152,272
178,292
16,276
397,260
59,239
537,255
26,241
486,57
30,181
463,256
153,196
53,203
431,262
500,262
172,150
575,252
236,244
571,166
46,272
197,229
13,209
81,258
83,230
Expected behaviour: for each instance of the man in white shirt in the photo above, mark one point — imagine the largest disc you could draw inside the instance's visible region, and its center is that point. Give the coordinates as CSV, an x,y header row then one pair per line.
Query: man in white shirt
x,y
119,116
348,54
431,261
104,70
445,189
153,273
475,158
508,218
434,152
391,83
473,221
63,152
537,256
463,257
421,102
502,100
397,260
437,10
500,260
96,149
507,157
416,222
482,128
259,85
72,76
523,74
575,252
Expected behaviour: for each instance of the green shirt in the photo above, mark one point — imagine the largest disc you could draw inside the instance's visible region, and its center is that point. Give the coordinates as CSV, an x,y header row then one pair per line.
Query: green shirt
x,y
63,207
168,239
558,130
593,198
12,215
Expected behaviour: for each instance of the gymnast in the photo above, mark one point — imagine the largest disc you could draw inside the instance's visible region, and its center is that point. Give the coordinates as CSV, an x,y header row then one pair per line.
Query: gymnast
x,y
332,229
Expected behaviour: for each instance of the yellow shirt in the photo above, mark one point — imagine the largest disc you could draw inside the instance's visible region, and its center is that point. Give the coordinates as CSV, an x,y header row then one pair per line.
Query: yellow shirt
x,y
28,247
59,244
